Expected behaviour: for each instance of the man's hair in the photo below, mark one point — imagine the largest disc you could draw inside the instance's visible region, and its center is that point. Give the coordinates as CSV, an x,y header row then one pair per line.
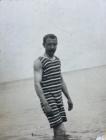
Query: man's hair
x,y
52,36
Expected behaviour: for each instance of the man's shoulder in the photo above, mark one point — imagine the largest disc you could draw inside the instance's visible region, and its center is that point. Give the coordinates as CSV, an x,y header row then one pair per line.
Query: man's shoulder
x,y
37,63
57,58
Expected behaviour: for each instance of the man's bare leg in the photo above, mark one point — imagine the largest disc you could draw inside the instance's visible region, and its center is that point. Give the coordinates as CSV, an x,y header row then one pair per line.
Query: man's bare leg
x,y
59,132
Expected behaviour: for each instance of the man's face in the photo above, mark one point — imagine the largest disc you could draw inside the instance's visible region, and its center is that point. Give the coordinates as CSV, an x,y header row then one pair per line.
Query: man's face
x,y
50,46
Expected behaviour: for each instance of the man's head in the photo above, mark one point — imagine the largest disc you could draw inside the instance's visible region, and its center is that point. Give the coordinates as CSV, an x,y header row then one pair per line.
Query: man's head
x,y
50,44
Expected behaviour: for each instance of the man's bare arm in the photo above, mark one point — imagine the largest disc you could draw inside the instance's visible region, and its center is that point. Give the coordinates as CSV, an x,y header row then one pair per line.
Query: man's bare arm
x,y
37,85
66,93
37,80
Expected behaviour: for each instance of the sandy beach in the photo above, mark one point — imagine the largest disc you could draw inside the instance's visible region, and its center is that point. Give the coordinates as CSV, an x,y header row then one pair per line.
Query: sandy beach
x,y
21,115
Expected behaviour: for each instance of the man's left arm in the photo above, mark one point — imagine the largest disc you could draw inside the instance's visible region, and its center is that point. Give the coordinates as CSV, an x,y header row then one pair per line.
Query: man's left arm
x,y
66,93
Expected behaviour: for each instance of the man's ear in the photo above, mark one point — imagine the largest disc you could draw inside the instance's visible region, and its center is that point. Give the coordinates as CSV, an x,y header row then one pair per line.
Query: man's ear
x,y
43,45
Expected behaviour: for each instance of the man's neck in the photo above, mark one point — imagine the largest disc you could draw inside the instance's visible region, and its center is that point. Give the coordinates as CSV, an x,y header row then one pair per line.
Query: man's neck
x,y
52,58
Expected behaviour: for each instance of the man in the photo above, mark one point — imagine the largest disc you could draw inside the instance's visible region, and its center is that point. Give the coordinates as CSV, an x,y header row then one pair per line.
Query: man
x,y
49,85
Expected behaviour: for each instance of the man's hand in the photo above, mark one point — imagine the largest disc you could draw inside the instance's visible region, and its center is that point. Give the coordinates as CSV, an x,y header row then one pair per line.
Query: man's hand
x,y
47,109
70,105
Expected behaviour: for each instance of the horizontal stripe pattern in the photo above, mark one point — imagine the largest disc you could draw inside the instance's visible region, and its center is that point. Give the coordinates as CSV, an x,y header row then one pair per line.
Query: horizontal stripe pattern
x,y
49,77
52,87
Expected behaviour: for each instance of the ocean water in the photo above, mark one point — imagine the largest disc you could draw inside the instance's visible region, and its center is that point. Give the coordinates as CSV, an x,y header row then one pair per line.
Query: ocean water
x,y
21,115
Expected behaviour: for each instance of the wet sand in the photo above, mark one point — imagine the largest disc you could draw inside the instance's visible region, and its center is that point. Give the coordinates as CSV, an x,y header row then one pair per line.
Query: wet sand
x,y
21,115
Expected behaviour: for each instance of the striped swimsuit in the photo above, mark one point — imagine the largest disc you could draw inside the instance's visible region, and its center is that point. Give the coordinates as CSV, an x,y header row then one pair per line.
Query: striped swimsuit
x,y
52,88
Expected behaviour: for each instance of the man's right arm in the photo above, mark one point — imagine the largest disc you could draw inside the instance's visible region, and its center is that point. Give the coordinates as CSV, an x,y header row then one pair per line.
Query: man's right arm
x,y
37,80
37,85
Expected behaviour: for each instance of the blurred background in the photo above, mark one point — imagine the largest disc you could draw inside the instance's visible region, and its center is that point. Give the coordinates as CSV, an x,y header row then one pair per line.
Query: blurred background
x,y
80,26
